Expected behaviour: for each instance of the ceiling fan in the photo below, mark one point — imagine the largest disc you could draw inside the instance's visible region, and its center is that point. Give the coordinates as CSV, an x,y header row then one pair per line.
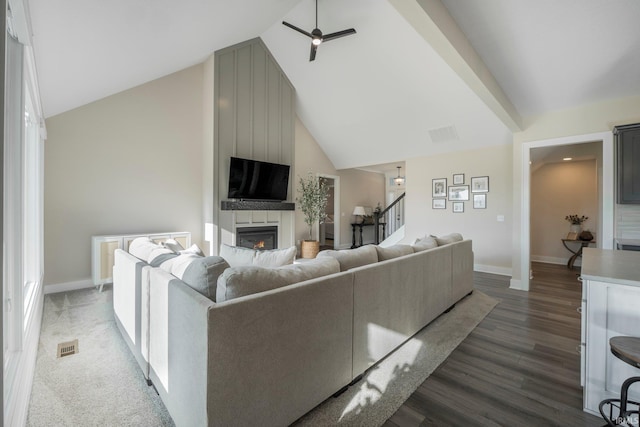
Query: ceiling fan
x,y
316,35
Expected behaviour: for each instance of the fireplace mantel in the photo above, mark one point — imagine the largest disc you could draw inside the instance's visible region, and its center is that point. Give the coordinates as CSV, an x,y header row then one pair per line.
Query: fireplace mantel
x,y
256,205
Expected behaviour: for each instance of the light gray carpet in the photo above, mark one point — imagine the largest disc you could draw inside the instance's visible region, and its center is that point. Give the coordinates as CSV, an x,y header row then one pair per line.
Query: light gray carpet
x,y
103,385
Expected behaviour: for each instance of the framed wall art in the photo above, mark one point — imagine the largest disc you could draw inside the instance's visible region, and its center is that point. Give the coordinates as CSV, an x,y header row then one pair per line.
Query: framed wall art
x,y
480,184
458,192
458,178
439,204
439,187
479,201
458,207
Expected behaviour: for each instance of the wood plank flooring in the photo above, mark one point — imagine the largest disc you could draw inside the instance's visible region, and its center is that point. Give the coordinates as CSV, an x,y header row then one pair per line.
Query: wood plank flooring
x,y
519,367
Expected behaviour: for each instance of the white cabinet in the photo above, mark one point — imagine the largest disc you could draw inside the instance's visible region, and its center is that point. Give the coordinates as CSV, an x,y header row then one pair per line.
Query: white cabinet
x,y
609,308
103,247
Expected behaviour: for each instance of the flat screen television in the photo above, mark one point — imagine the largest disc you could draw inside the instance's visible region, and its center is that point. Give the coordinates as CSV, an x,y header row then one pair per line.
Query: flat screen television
x,y
256,180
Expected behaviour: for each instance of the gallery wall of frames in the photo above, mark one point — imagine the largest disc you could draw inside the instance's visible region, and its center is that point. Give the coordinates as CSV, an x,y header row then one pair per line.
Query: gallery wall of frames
x,y
461,191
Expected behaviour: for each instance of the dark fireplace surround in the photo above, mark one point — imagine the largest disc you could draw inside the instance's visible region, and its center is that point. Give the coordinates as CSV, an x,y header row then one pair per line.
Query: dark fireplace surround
x,y
262,238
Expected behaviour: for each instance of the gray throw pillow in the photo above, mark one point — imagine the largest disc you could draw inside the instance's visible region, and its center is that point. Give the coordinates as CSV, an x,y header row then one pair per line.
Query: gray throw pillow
x,y
238,256
200,273
394,251
352,258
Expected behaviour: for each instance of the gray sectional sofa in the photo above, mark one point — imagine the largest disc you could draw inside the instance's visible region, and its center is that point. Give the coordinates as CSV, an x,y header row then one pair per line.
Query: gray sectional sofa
x,y
249,355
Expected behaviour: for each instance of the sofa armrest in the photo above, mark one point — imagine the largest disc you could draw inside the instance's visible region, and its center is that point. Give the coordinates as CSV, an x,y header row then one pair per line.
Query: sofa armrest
x,y
462,269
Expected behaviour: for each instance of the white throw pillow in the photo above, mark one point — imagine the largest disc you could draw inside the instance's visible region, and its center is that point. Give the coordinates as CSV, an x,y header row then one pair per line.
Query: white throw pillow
x,y
173,245
275,257
193,249
141,247
237,256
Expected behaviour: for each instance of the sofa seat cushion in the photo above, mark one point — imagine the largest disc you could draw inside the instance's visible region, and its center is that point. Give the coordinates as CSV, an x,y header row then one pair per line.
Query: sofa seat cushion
x,y
352,258
427,242
392,252
238,256
449,238
239,281
200,273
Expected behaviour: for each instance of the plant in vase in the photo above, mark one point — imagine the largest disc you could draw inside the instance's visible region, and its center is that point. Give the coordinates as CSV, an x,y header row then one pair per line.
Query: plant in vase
x,y
576,222
312,201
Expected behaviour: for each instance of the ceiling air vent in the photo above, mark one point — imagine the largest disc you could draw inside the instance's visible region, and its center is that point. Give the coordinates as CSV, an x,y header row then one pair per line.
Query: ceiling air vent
x,y
443,134
67,348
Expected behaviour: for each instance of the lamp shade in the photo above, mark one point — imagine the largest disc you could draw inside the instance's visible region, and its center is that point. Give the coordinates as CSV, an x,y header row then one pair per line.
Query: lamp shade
x,y
359,210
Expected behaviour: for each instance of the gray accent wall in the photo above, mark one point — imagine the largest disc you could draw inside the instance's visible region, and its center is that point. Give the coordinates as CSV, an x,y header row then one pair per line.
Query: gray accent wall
x,y
254,118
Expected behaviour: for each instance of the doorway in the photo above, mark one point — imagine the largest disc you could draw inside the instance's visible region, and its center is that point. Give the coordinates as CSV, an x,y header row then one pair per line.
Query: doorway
x,y
564,182
605,196
329,230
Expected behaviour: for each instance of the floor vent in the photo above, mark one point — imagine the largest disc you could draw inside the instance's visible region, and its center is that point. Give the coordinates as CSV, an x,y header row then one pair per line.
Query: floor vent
x,y
67,348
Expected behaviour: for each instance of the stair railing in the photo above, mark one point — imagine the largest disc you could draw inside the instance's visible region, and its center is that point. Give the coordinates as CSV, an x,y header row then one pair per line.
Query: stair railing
x,y
390,219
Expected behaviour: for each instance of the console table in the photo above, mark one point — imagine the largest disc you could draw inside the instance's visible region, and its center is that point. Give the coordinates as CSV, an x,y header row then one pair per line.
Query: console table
x,y
576,253
360,226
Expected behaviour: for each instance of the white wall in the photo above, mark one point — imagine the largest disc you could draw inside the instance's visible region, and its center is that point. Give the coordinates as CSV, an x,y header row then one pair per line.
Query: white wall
x,y
129,163
491,239
558,190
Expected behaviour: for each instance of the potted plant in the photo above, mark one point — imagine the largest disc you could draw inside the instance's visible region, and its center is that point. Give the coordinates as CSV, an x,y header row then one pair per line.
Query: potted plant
x,y
576,222
312,202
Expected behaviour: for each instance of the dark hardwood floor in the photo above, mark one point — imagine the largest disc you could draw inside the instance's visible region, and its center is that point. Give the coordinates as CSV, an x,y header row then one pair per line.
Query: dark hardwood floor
x,y
519,367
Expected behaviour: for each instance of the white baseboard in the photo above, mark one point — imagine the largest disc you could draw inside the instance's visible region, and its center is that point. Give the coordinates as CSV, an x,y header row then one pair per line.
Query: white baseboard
x,y
68,286
549,259
517,284
502,271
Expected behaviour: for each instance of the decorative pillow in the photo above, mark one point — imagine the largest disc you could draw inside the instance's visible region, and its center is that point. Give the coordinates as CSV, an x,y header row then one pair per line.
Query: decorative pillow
x,y
275,257
237,256
394,251
193,249
173,245
427,242
201,273
141,247
236,282
352,258
160,255
449,238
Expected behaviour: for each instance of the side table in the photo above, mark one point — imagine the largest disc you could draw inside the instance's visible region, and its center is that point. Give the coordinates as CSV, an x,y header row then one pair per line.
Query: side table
x,y
576,253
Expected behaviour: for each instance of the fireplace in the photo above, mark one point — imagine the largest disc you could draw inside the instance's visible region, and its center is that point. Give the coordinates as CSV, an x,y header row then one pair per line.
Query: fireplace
x,y
262,238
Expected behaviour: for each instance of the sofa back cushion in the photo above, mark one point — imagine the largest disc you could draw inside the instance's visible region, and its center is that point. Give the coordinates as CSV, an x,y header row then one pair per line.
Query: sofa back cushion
x,y
449,238
238,256
236,282
394,251
352,258
200,273
427,242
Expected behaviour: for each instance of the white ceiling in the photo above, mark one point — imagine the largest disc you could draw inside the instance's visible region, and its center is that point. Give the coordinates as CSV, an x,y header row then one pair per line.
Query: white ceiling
x,y
370,98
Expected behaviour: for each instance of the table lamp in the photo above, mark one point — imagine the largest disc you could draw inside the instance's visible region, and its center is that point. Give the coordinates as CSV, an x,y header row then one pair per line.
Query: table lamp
x,y
358,211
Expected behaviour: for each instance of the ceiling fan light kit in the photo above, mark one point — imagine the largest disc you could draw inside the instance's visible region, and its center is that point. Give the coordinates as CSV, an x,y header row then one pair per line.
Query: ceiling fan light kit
x,y
316,35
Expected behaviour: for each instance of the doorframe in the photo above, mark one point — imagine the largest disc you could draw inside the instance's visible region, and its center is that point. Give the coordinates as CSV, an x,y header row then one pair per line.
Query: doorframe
x,y
336,209
605,199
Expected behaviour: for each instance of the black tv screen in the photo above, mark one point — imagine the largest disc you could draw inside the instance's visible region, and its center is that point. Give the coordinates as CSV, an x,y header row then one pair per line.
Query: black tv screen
x,y
255,180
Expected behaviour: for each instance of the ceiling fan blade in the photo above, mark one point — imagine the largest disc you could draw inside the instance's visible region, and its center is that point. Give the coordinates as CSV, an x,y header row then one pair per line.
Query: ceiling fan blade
x,y
338,34
312,56
293,27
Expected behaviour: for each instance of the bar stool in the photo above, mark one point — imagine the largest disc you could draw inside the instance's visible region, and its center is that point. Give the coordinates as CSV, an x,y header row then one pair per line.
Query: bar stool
x,y
626,349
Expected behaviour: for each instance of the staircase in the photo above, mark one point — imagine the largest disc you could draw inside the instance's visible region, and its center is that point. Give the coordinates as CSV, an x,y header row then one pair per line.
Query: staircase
x,y
389,223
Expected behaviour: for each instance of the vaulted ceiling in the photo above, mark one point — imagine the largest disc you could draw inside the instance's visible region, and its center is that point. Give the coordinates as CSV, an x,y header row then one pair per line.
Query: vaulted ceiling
x,y
419,77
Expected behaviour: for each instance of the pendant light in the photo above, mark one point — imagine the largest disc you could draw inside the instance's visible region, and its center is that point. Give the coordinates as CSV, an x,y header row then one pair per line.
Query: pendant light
x,y
399,180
